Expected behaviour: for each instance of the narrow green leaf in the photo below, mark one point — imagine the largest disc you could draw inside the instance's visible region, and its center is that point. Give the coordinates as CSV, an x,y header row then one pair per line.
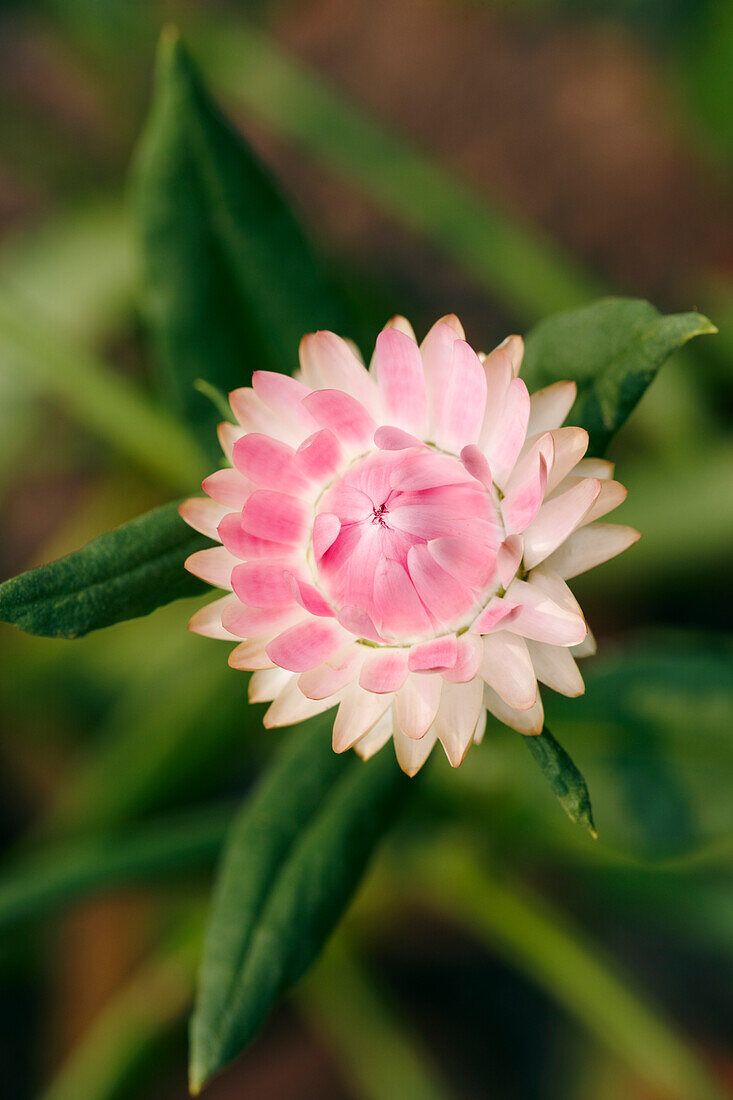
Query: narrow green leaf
x,y
122,574
293,859
230,284
566,780
613,349
522,268
61,873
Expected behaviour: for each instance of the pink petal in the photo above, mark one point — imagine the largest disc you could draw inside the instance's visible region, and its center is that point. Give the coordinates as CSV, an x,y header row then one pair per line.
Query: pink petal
x,y
277,517
401,380
326,530
203,515
508,558
356,621
470,561
476,464
497,611
446,598
437,356
268,463
549,407
557,520
337,672
541,619
228,487
424,470
396,600
254,415
259,622
508,432
306,645
338,368
213,566
435,655
498,371
384,671
388,438
283,396
309,597
417,704
320,456
262,584
461,412
470,653
520,506
343,414
246,546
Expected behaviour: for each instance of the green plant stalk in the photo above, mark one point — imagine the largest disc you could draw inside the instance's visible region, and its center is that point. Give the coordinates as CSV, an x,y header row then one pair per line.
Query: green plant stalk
x,y
540,941
365,1032
104,402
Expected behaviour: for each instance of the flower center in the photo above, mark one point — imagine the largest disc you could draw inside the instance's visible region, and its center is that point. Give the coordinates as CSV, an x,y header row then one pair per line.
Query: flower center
x,y
415,544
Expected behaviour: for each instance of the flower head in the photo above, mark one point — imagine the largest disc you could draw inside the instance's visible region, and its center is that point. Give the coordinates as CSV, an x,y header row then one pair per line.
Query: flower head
x,y
396,541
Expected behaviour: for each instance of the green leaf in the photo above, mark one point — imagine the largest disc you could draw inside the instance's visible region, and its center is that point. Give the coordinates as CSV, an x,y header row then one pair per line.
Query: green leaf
x,y
126,572
566,780
230,284
293,859
613,350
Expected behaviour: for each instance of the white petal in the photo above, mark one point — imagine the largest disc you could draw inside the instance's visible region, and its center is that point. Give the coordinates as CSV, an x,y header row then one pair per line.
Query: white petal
x,y
377,737
554,666
460,706
570,446
549,407
204,515
250,655
207,620
417,703
291,706
557,519
506,667
412,754
587,648
358,712
591,546
523,721
266,685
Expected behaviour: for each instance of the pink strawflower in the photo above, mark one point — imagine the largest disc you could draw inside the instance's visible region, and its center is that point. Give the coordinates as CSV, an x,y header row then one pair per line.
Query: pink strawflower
x,y
396,541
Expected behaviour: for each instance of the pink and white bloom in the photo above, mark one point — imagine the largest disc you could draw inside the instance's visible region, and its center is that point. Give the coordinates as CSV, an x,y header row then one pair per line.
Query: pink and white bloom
x,y
396,541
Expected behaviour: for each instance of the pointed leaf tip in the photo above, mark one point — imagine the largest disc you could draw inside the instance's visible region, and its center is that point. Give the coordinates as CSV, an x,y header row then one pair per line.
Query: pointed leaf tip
x,y
565,779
